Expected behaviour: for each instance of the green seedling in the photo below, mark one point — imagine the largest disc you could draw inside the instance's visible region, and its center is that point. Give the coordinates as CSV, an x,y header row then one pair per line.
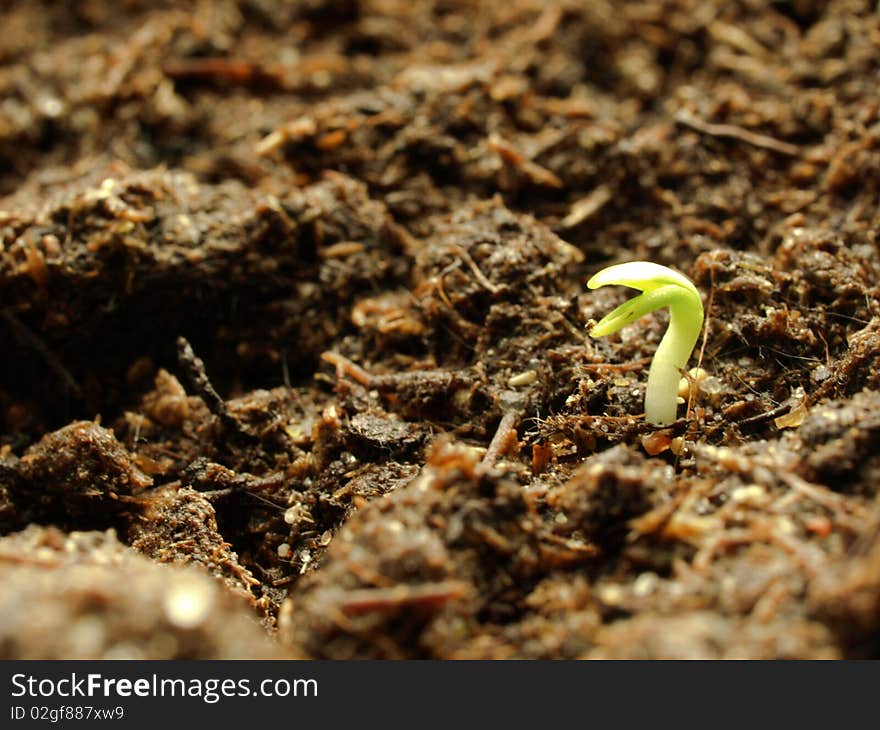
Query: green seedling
x,y
661,287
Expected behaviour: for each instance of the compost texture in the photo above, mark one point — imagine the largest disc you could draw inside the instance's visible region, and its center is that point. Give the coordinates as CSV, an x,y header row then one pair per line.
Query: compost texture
x,y
294,326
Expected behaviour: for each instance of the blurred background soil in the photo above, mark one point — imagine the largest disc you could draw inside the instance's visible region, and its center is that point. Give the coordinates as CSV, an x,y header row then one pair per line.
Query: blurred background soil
x,y
293,324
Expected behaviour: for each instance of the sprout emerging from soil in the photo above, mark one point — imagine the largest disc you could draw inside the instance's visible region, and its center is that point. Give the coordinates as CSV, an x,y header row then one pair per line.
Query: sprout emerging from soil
x,y
662,287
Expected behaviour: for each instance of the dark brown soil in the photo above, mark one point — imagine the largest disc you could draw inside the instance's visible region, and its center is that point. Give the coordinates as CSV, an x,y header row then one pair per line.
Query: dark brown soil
x,y
292,295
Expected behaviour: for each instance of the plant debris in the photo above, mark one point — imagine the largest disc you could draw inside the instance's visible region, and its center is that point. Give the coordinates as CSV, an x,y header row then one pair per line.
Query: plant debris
x,y
294,307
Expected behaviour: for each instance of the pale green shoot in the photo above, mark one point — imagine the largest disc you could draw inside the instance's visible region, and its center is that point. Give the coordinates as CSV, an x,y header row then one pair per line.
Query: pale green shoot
x,y
661,287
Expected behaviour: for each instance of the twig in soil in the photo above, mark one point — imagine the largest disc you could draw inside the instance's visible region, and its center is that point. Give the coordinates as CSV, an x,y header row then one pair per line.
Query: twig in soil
x,y
504,438
230,70
194,368
737,38
654,520
769,604
821,495
197,377
478,274
723,541
201,473
429,595
344,367
585,208
773,413
710,300
731,131
619,367
536,173
441,292
29,338
691,431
